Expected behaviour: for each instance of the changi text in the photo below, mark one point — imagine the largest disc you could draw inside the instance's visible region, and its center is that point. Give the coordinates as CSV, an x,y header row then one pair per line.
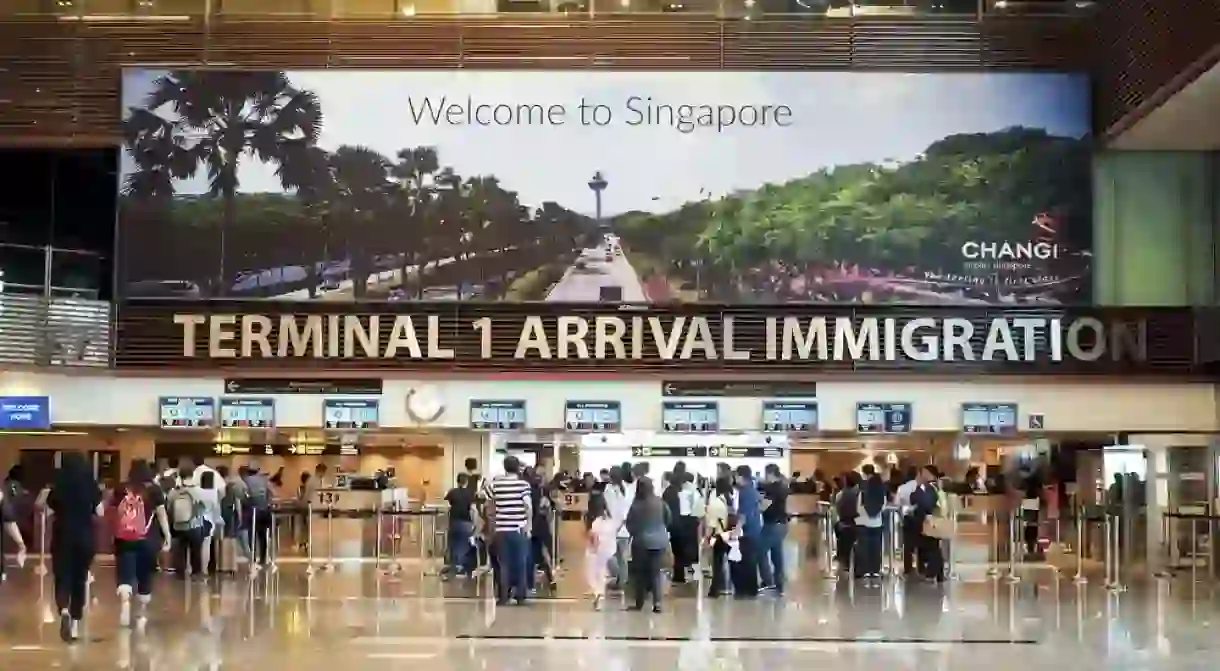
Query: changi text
x,y
680,338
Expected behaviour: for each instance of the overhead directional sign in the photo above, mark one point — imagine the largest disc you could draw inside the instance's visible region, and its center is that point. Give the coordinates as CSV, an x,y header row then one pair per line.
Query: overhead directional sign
x,y
739,388
329,387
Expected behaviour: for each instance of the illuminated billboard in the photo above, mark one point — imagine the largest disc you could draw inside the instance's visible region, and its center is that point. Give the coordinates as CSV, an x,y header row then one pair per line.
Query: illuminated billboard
x,y
578,187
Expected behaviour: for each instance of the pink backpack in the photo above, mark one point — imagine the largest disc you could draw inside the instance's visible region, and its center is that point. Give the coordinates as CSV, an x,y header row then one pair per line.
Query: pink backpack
x,y
130,523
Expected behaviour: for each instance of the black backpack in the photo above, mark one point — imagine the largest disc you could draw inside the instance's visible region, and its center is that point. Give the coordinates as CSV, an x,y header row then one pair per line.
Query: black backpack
x,y
848,506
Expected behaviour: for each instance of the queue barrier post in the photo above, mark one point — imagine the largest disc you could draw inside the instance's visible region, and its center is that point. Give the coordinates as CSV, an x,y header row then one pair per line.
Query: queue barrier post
x,y
1014,547
1080,578
828,563
396,543
952,572
310,568
1194,549
41,569
377,539
273,543
994,570
1113,551
329,566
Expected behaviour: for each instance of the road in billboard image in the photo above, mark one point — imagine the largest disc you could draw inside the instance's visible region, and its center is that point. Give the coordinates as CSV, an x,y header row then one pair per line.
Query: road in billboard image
x,y
738,187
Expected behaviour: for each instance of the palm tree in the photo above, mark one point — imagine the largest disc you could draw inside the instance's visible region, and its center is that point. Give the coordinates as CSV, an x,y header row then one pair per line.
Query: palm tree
x,y
307,169
416,171
362,187
226,116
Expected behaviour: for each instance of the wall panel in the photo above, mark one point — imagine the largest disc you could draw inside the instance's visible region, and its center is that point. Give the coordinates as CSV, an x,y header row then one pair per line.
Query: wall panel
x,y
59,78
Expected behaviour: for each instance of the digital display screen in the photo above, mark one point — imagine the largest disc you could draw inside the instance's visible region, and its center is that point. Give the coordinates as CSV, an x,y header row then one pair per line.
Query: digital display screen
x,y
593,416
497,415
247,413
883,417
187,412
724,452
999,419
789,416
690,416
351,413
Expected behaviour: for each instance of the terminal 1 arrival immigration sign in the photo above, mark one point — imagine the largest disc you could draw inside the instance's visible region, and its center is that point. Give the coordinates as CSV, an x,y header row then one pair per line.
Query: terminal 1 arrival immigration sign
x,y
259,335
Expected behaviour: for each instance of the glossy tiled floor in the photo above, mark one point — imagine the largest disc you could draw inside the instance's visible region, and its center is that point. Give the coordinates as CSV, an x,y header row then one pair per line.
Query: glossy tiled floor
x,y
357,618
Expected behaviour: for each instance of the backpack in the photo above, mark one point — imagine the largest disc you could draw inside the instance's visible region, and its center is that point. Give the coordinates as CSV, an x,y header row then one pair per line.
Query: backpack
x,y
230,508
848,506
130,522
259,496
185,510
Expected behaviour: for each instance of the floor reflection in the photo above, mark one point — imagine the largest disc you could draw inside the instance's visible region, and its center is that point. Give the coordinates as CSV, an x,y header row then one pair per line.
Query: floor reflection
x,y
290,620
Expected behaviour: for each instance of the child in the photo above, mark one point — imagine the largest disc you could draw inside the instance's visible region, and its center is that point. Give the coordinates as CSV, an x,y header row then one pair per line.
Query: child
x,y
601,530
731,537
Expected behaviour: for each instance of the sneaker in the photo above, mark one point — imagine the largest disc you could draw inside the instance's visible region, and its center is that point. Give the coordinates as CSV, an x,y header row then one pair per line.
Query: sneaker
x,y
65,627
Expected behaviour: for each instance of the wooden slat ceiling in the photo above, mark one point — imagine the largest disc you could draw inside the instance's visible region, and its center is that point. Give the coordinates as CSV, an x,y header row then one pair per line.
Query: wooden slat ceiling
x,y
1147,50
59,80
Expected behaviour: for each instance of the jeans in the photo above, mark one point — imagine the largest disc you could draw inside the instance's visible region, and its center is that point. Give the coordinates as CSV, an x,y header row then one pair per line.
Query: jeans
x,y
771,555
868,550
646,574
134,562
190,553
460,549
540,558
512,552
619,562
70,561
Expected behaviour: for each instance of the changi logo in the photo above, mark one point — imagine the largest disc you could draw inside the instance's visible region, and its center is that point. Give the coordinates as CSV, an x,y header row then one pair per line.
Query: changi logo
x,y
682,338
1042,251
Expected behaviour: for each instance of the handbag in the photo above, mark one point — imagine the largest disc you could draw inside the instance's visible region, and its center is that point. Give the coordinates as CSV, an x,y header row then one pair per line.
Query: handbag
x,y
937,527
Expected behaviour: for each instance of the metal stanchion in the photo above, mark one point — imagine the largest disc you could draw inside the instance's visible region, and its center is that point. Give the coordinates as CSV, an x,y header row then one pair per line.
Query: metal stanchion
x,y
888,544
994,523
828,564
1194,550
273,543
952,573
41,569
377,540
254,566
1014,545
1080,578
1114,550
329,567
310,569
395,542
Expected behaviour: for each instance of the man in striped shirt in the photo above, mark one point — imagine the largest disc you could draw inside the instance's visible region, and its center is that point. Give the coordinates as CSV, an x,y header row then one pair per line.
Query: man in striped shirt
x,y
509,514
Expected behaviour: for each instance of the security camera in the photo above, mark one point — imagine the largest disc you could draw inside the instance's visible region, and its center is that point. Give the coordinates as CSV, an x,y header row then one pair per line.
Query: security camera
x,y
605,439
767,440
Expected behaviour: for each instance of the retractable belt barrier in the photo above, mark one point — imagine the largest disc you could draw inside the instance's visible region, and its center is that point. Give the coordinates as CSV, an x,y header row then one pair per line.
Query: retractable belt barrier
x,y
395,532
